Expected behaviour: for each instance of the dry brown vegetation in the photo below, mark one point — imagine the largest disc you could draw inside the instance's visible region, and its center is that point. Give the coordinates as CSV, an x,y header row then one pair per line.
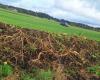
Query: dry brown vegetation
x,y
67,57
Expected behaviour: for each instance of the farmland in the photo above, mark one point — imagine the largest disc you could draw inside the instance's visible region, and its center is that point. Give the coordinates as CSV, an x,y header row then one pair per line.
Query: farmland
x,y
34,48
42,24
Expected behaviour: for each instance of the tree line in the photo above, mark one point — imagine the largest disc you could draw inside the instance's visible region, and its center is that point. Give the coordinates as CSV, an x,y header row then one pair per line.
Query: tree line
x,y
44,15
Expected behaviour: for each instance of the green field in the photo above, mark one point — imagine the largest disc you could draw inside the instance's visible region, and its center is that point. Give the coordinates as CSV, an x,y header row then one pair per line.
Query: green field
x,y
32,22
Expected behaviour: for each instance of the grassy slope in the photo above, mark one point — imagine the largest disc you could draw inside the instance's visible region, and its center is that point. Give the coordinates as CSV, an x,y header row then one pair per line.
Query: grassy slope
x,y
33,22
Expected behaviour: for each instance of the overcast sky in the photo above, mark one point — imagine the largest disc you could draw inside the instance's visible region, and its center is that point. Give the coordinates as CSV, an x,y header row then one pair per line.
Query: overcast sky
x,y
84,11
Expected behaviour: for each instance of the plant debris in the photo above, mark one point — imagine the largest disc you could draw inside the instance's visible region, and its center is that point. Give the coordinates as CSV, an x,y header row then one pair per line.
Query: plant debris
x,y
25,49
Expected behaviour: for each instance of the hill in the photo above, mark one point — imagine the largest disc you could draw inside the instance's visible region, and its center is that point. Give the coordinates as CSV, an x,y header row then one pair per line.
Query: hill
x,y
80,25
43,24
27,54
43,15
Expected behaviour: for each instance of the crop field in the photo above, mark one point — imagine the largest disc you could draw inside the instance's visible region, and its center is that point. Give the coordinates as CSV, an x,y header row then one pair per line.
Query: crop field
x,y
42,24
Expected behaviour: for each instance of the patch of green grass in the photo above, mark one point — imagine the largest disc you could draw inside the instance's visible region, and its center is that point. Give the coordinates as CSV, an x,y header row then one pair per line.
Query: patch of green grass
x,y
70,71
26,76
0,30
32,22
95,70
96,56
39,75
5,70
44,75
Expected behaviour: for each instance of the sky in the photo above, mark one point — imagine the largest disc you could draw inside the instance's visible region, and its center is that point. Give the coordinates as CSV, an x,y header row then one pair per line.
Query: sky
x,y
82,11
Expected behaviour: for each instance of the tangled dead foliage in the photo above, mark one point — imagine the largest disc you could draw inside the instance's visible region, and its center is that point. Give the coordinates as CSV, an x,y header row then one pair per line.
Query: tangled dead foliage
x,y
31,48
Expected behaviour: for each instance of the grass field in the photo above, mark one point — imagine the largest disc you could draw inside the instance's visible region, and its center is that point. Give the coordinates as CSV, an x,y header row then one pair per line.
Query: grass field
x,y
32,22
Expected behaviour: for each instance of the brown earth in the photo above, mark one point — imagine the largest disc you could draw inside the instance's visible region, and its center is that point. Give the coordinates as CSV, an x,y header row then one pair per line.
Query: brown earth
x,y
26,49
